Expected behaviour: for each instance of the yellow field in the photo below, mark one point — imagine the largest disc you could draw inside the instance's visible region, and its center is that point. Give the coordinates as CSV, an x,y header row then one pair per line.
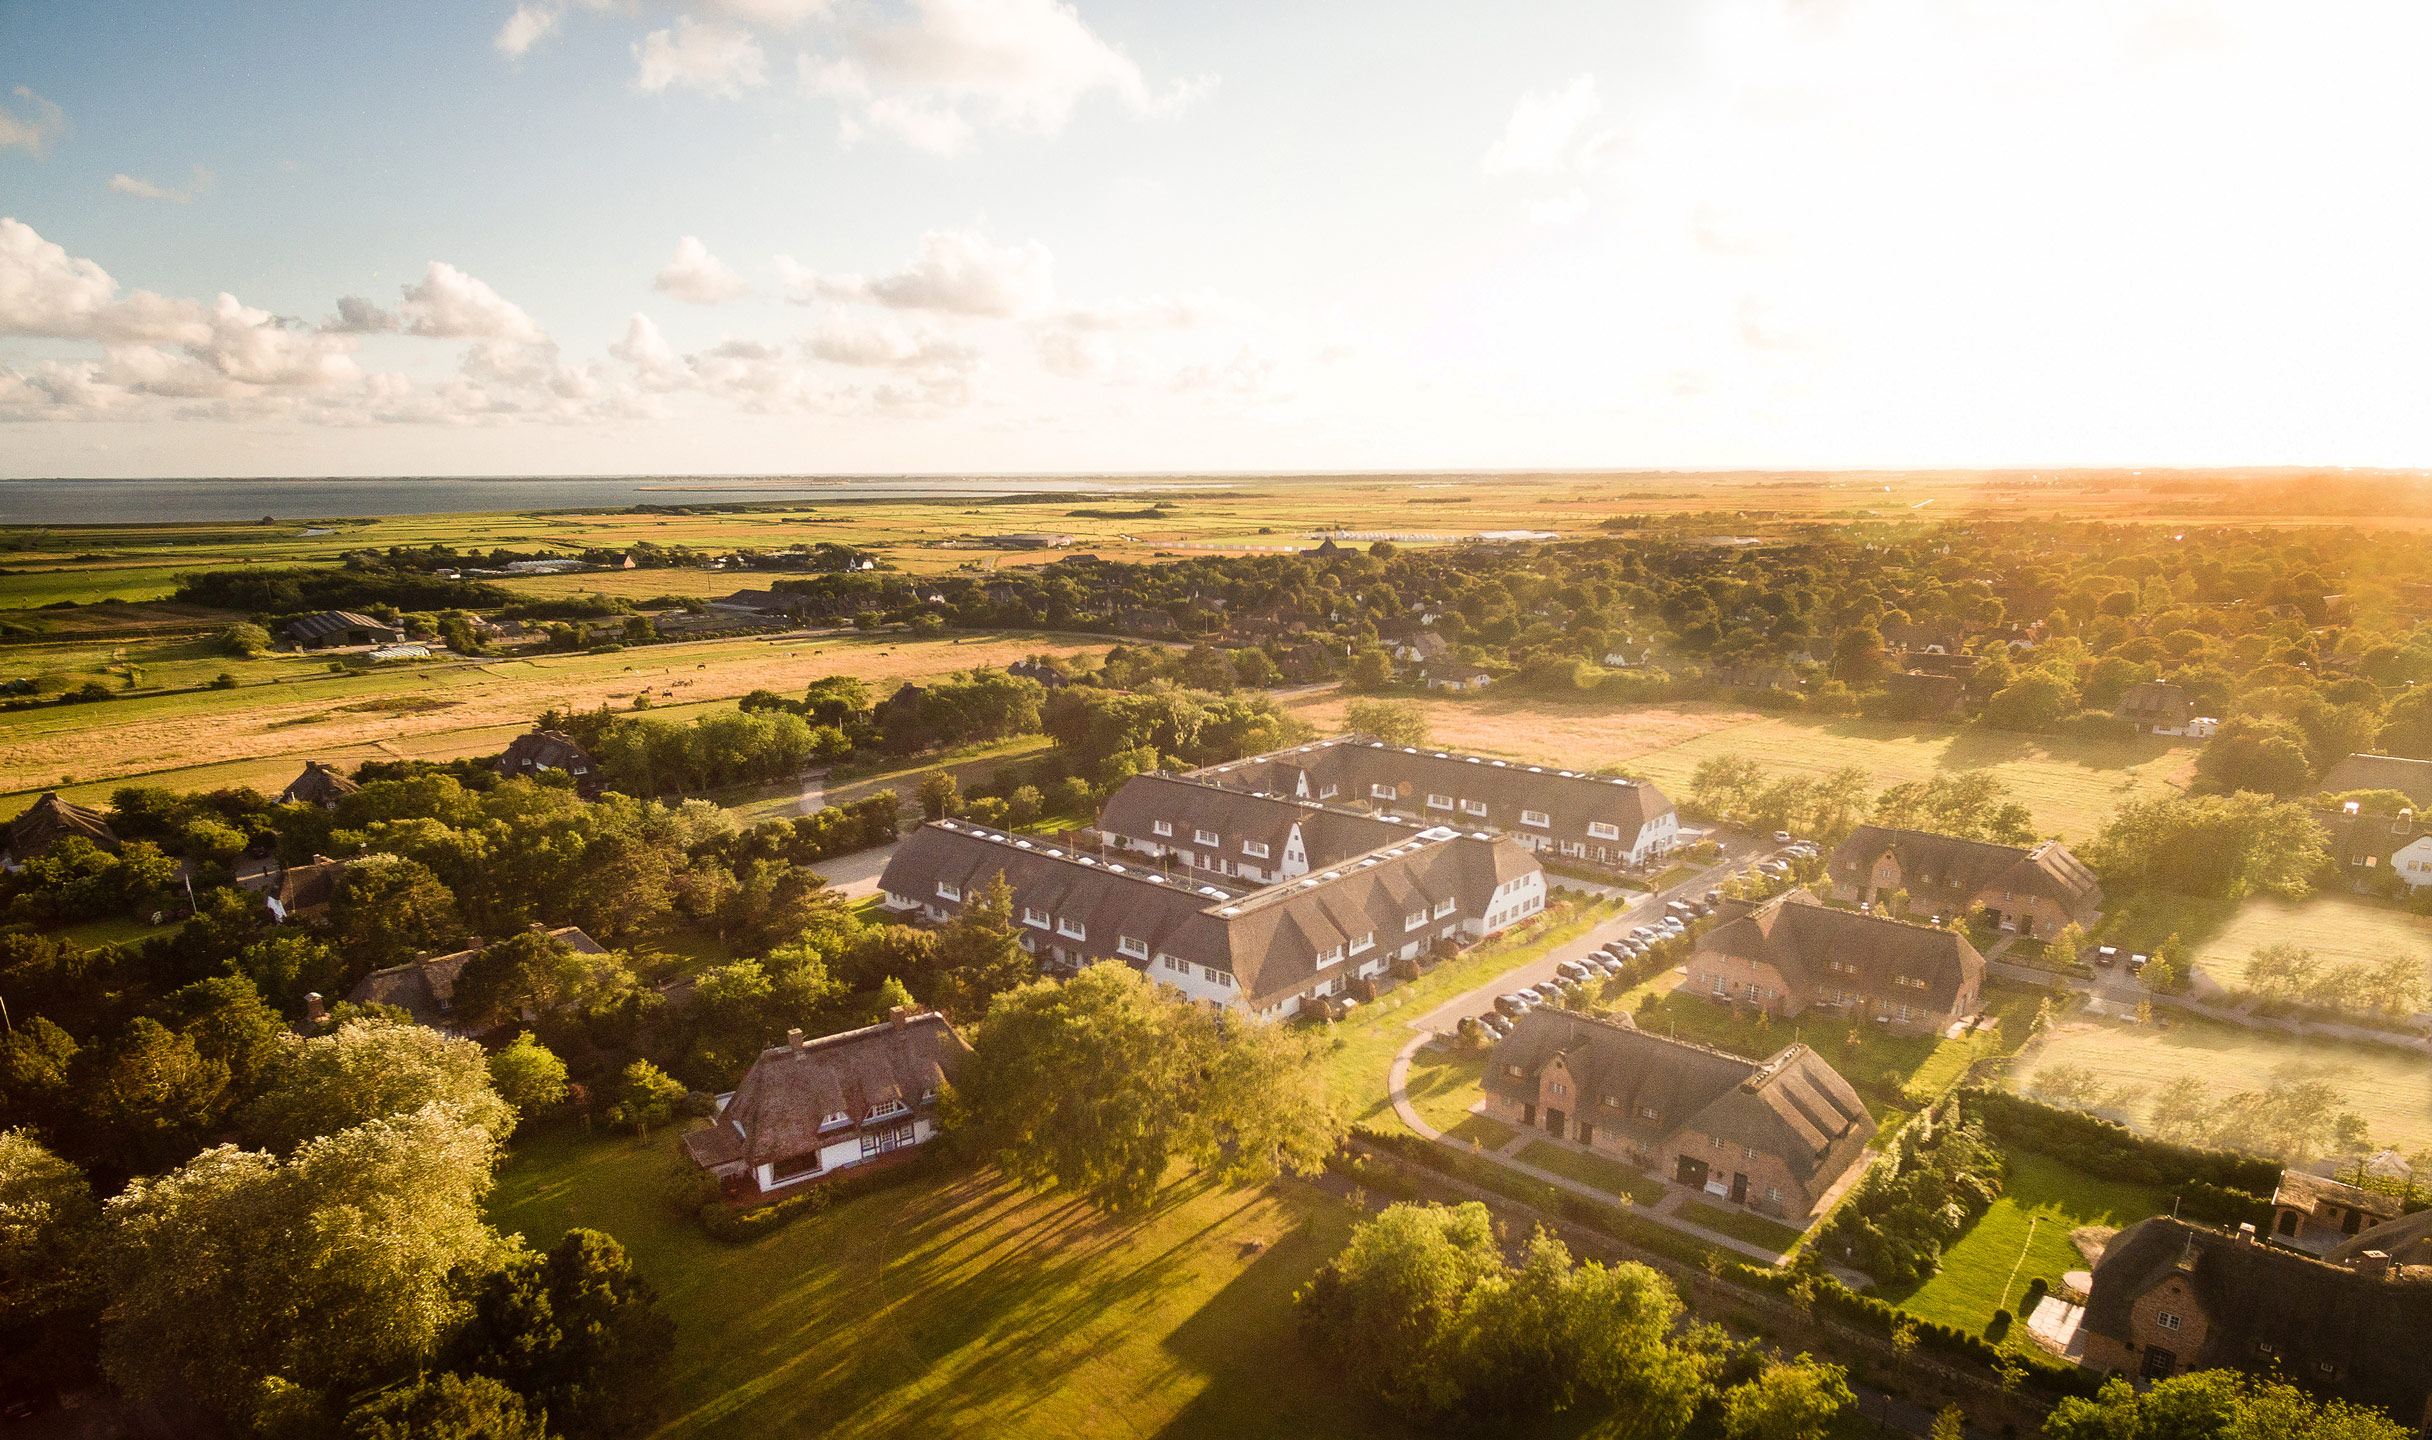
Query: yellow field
x,y
2339,929
2072,786
442,710
2390,1088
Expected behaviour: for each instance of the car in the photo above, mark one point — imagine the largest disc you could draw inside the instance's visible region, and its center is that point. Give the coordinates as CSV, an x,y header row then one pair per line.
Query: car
x,y
1604,964
1774,867
1781,837
2107,955
1711,896
1515,1004
1549,991
1642,932
1573,969
1495,1024
2138,962
1678,907
1703,911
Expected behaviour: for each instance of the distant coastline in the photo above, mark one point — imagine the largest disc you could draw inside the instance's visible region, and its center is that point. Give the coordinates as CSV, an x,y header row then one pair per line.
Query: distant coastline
x,y
124,502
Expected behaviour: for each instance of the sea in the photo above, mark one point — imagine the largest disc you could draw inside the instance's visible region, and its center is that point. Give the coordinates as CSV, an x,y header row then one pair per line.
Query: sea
x,y
124,502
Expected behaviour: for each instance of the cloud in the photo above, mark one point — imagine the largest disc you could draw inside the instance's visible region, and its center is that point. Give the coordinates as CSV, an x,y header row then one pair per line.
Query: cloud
x,y
146,190
46,292
528,26
1551,131
859,339
32,132
451,305
1096,341
699,55
956,272
952,65
698,276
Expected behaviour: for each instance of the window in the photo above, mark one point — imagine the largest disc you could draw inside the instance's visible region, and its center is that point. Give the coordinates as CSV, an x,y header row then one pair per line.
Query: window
x,y
1137,949
1360,943
1254,847
1749,1151
1207,837
1329,957
1537,818
1415,920
1473,807
833,1119
887,1140
1446,907
1221,977
1649,1112
1381,792
1325,792
1717,1142
1601,831
1574,847
1162,827
1071,929
1439,802
1559,1088
946,891
892,1105
2167,1320
1040,918
1773,1194
1513,1070
1170,963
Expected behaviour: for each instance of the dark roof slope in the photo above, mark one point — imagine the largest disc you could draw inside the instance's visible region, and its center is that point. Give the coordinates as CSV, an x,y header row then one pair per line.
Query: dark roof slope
x,y
1351,765
778,1110
2156,700
544,750
2263,1300
1328,833
336,622
2407,1240
1795,933
1948,863
2411,778
319,785
426,989
309,887
50,820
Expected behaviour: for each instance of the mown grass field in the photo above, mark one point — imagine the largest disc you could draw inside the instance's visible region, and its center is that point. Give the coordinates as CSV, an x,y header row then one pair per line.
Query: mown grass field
x,y
2339,929
1739,1224
1443,1084
2390,1088
442,709
2072,786
1614,1177
965,1306
2024,1234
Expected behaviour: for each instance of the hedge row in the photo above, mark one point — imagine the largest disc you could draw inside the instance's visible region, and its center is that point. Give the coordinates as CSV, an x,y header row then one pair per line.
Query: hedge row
x,y
2115,1152
724,1222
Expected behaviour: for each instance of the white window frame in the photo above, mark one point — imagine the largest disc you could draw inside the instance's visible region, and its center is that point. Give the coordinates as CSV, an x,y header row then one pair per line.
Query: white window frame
x,y
1363,943
1415,920
1223,978
1327,792
947,891
1175,963
1071,929
1329,957
1254,848
1473,807
1446,907
1161,827
1206,837
1137,949
1602,831
1439,802
1038,919
1537,818
1383,792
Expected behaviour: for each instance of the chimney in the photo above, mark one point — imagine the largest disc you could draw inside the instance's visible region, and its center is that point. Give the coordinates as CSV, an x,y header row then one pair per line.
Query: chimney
x,y
900,1016
315,1013
2375,1265
2246,1233
793,1038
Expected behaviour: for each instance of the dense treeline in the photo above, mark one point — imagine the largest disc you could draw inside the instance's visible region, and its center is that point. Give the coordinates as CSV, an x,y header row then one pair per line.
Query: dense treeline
x,y
288,590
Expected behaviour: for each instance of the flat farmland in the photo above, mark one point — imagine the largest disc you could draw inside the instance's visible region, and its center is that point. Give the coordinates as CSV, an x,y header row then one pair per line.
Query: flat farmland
x,y
2339,929
2072,786
2389,1087
442,709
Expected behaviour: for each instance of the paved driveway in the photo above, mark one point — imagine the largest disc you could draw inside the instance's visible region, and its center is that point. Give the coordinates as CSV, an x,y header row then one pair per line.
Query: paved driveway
x,y
856,875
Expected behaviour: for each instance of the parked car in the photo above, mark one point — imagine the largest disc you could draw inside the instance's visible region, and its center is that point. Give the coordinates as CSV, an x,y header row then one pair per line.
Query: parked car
x,y
1573,969
1495,1024
2107,955
1711,896
1516,1004
1643,932
1549,991
1705,909
2138,962
1781,837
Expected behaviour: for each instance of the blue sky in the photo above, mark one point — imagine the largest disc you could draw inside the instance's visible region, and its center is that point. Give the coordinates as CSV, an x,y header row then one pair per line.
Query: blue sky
x,y
1016,235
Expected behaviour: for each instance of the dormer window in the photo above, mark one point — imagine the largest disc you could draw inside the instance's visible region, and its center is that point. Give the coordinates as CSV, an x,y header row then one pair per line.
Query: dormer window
x,y
1161,827
1537,818
1439,802
946,890
1255,849
1381,792
1207,837
1037,917
892,1105
833,1119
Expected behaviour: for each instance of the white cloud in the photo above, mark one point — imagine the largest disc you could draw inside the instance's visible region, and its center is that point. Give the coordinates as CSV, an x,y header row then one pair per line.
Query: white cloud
x,y
46,292
857,338
1551,131
146,190
952,65
33,131
450,305
1099,341
530,24
956,272
699,55
698,276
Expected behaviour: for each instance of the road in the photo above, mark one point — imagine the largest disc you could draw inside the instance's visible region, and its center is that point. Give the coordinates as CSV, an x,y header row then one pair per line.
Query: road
x,y
856,875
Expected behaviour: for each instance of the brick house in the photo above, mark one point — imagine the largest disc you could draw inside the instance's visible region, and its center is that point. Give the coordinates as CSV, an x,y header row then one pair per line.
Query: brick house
x,y
811,1109
48,821
1794,954
2316,1214
425,988
2034,890
1775,1135
320,785
2169,1296
539,750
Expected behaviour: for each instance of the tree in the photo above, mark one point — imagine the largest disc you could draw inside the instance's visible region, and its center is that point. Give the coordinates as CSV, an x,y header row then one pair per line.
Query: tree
x,y
49,1225
576,1332
387,908
1371,669
366,1070
448,1406
2033,701
1396,722
980,954
2406,727
1950,1423
646,1096
2215,1405
2255,753
1099,1083
940,798
528,1076
1858,658
227,1021
157,1092
1788,1400
244,640
322,1271
2224,845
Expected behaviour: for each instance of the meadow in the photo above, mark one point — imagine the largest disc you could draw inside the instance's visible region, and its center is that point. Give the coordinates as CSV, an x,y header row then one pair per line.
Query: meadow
x,y
438,709
2389,1087
2023,1235
2339,929
2072,786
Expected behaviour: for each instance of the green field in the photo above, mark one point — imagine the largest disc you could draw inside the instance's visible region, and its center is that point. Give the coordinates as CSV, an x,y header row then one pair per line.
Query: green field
x,y
1605,1173
964,1306
1443,1084
2023,1235
2072,786
2390,1088
2339,929
1739,1225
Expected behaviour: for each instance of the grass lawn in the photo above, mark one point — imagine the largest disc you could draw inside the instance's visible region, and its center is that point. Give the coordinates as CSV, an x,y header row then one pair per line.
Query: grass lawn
x,y
113,930
2340,929
964,1306
1365,1044
2023,1235
2071,785
2387,1086
1888,1068
1443,1085
1739,1224
1602,1171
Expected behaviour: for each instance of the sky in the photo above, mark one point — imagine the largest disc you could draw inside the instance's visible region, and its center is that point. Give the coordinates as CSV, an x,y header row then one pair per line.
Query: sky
x,y
497,237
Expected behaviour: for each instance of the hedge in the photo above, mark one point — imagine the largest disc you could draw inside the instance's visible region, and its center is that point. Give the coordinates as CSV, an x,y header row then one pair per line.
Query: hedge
x,y
724,1222
2115,1152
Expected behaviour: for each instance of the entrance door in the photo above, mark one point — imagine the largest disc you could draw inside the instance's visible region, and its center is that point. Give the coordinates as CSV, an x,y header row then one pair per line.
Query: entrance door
x,y
1692,1172
1553,1123
2160,1364
1739,1188
1587,1133
1528,1115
